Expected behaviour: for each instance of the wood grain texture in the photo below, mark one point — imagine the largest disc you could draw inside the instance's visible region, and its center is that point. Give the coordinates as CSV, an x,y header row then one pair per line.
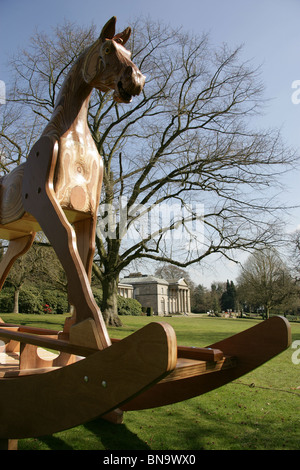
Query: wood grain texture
x,y
200,354
45,341
95,383
11,204
243,353
78,176
60,183
41,202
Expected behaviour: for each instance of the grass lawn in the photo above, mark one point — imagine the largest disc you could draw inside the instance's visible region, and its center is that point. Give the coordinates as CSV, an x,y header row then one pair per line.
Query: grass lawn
x,y
258,411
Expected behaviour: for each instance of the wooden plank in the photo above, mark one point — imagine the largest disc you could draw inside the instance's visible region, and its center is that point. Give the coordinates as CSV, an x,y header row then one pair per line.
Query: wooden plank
x,y
19,228
9,328
9,361
201,354
85,334
27,224
16,372
186,368
191,352
99,383
251,348
45,341
29,329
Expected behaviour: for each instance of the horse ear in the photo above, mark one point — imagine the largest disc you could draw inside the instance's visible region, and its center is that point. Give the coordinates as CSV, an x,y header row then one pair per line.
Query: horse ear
x,y
108,30
124,36
92,62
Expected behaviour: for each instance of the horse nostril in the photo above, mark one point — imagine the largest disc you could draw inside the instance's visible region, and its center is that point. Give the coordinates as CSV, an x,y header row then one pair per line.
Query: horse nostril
x,y
128,71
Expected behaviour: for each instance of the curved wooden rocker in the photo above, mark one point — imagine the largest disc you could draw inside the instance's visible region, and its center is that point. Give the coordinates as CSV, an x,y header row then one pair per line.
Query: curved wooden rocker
x,y
58,191
41,401
200,370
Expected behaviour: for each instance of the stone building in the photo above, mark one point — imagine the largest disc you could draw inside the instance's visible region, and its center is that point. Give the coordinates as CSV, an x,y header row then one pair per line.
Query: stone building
x,y
125,290
166,297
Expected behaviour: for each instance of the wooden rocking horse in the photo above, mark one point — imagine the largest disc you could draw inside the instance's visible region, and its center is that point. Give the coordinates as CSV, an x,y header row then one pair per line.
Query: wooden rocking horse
x,y
57,190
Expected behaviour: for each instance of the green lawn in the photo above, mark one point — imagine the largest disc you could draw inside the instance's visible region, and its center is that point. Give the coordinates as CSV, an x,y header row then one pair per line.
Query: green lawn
x,y
258,411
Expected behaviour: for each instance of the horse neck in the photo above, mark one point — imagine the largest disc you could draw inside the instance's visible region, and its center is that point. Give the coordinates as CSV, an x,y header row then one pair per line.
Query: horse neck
x,y
71,107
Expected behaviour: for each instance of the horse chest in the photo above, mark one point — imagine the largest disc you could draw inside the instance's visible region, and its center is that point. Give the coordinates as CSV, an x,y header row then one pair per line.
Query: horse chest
x,y
78,176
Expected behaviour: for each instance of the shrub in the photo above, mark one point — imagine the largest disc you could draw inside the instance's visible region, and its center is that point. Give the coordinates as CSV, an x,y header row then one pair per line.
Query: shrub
x,y
7,300
30,301
129,306
97,293
55,301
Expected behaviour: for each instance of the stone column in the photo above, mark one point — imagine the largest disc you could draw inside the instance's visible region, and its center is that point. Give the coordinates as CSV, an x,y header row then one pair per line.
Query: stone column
x,y
184,302
189,301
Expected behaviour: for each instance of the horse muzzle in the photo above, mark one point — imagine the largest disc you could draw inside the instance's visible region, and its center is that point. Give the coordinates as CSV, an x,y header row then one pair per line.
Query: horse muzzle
x,y
130,84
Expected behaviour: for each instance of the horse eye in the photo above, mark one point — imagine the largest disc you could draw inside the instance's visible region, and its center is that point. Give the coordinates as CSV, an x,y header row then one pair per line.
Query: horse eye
x,y
107,50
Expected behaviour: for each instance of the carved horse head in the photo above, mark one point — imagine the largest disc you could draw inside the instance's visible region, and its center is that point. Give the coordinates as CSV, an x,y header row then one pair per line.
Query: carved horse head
x,y
108,65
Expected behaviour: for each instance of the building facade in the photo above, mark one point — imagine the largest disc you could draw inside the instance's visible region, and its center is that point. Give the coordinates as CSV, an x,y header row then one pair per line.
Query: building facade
x,y
165,297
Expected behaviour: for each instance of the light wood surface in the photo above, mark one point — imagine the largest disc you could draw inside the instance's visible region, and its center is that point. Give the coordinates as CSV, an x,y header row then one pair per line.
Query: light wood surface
x,y
60,183
41,404
243,353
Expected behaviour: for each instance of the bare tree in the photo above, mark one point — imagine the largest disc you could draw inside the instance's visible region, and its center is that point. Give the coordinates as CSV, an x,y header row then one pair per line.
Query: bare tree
x,y
16,136
265,281
186,174
169,271
295,253
25,268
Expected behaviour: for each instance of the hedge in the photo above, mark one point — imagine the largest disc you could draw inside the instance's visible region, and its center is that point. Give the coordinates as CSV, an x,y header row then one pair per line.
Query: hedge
x,y
32,300
129,306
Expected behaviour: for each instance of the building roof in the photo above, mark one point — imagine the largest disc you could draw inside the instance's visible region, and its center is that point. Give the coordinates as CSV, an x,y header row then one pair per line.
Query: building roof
x,y
125,284
180,281
144,279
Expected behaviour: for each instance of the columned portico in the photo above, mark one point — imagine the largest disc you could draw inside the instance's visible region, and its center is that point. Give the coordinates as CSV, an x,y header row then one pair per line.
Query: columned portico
x,y
165,297
183,300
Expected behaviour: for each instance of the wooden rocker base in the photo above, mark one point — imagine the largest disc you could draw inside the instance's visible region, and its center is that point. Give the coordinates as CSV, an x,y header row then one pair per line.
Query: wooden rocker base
x,y
44,402
194,376
144,370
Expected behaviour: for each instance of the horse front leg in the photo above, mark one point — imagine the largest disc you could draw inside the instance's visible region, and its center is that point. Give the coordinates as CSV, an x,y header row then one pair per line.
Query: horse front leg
x,y
85,239
85,235
39,199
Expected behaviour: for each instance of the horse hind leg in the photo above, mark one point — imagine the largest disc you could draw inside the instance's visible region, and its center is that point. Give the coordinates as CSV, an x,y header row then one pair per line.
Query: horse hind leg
x,y
16,248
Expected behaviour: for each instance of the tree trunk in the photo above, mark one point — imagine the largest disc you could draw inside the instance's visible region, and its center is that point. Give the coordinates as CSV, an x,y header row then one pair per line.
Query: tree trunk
x,y
109,302
16,300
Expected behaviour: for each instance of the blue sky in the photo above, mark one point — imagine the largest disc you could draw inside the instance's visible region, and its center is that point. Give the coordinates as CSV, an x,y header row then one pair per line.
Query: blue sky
x,y
268,29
